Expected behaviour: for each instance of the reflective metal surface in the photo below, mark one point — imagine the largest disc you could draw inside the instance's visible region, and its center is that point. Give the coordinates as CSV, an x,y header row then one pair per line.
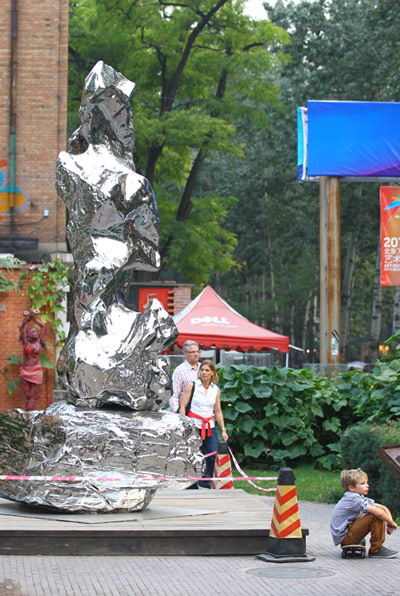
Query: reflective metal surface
x,y
113,221
68,441
111,356
115,358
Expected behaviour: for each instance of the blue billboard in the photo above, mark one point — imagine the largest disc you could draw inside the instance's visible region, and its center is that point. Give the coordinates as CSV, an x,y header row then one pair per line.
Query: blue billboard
x,y
351,139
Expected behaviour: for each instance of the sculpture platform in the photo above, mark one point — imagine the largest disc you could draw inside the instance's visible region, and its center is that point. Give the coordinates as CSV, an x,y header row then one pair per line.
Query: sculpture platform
x,y
186,522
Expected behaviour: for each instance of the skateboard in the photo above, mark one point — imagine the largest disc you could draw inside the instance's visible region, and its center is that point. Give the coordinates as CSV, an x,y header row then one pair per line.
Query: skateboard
x,y
354,550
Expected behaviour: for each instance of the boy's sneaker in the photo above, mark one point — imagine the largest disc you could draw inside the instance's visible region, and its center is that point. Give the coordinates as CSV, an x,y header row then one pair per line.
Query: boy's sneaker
x,y
384,553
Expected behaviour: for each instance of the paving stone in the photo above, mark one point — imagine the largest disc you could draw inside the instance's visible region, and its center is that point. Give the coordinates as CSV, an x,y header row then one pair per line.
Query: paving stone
x,y
328,575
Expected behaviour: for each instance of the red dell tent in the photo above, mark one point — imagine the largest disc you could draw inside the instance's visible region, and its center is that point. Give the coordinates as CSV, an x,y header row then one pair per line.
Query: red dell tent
x,y
211,322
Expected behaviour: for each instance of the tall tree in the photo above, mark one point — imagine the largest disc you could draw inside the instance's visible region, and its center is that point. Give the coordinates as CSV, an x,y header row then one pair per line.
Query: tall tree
x,y
334,53
196,65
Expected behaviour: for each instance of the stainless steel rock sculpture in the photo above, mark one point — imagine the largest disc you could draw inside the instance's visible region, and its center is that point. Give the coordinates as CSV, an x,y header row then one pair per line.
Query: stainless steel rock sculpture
x,y
111,355
141,447
110,359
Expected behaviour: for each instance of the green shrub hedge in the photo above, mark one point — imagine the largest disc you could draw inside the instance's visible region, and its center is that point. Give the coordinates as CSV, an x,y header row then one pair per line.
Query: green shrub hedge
x,y
280,415
358,447
374,396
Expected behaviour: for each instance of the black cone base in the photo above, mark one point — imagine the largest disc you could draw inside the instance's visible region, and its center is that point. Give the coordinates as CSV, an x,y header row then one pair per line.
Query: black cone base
x,y
271,558
285,550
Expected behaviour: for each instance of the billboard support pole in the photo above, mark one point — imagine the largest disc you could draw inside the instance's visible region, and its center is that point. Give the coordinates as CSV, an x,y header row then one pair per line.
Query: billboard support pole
x,y
329,273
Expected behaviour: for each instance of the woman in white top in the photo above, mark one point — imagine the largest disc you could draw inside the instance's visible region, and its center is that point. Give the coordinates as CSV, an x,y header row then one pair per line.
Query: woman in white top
x,y
205,406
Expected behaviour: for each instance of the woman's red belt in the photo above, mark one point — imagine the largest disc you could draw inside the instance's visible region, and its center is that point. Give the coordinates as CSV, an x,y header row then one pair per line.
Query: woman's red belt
x,y
205,421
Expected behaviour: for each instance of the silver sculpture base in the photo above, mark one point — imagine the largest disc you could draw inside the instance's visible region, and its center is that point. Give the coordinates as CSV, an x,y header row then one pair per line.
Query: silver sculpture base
x,y
141,448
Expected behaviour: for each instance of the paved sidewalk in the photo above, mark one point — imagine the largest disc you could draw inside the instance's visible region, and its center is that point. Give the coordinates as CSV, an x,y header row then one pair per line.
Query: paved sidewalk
x,y
328,575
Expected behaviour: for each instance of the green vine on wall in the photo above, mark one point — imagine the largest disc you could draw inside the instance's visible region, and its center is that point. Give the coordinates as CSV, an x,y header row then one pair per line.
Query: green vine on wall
x,y
10,263
11,383
47,292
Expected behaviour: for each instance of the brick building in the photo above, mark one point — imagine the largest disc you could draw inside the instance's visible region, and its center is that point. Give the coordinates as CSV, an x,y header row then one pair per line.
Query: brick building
x,y
33,131
33,119
33,122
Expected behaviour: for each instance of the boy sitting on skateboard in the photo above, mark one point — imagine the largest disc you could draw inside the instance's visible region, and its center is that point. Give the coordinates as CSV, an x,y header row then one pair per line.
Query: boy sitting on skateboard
x,y
355,515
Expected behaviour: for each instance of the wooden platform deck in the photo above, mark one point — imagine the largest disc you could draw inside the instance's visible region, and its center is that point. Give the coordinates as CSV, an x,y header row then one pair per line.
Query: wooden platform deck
x,y
186,522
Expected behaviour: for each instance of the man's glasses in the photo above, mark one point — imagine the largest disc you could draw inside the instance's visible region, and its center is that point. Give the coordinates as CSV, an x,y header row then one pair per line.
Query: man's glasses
x,y
194,352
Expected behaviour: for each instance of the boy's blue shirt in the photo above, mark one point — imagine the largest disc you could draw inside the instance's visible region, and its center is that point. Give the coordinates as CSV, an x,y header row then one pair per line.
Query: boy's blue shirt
x,y
350,506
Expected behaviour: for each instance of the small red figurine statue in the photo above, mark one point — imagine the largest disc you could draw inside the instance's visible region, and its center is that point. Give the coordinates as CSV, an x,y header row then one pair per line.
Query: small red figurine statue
x,y
31,370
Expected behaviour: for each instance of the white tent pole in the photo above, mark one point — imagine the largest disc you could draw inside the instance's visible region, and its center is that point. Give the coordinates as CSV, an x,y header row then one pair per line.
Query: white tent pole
x,y
287,360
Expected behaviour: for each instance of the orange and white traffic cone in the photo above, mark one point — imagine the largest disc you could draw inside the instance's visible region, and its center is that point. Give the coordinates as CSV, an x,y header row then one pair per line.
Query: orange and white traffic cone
x,y
285,541
222,468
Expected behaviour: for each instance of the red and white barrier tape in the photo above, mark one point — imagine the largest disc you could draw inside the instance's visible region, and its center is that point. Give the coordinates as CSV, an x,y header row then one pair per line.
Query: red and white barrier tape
x,y
250,478
126,479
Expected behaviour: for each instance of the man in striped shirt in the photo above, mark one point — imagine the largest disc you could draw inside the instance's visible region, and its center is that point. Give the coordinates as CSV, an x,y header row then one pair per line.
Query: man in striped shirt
x,y
184,373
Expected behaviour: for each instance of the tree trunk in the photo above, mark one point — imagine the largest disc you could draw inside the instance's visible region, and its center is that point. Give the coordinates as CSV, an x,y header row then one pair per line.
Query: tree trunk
x,y
376,318
153,156
277,322
347,284
186,205
313,343
264,297
306,323
347,288
396,317
292,325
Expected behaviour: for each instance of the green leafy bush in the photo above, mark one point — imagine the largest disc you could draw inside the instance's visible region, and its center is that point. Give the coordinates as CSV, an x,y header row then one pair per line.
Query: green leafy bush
x,y
358,447
279,415
9,263
282,414
374,396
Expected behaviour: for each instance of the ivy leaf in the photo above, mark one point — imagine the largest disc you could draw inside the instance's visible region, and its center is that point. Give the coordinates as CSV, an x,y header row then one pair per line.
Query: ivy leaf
x,y
261,392
45,362
334,447
11,385
246,425
231,414
13,359
243,408
254,450
332,425
297,450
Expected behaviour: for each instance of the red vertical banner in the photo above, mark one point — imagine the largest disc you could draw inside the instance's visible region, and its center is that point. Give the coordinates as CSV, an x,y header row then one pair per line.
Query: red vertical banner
x,y
390,235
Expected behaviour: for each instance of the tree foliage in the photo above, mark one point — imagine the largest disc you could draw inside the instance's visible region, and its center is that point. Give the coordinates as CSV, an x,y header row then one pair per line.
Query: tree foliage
x,y
197,65
215,112
339,50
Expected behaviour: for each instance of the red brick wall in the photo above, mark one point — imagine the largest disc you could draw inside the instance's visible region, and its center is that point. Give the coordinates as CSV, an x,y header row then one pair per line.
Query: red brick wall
x,y
173,298
182,297
41,114
12,305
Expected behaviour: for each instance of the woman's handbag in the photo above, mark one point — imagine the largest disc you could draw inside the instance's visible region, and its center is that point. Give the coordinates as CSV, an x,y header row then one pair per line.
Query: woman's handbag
x,y
190,401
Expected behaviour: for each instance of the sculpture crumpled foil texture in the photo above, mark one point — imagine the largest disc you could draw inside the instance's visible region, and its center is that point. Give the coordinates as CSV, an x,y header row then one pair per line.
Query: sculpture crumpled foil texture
x,y
141,447
118,361
111,354
116,381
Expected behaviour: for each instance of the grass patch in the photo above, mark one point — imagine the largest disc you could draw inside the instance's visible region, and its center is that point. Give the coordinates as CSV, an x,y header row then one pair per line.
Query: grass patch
x,y
318,486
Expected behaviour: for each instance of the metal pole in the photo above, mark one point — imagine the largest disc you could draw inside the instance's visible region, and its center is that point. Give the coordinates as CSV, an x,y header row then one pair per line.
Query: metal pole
x,y
329,272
